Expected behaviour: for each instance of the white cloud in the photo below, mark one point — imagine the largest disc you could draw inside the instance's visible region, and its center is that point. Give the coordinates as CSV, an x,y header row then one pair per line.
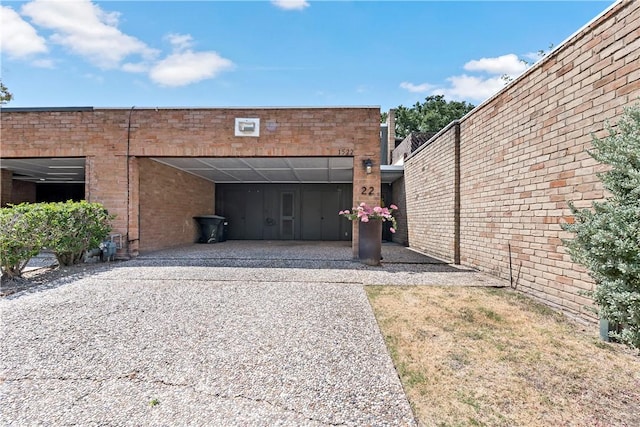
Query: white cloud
x,y
290,4
475,88
472,88
137,67
421,88
534,57
18,39
87,30
506,64
180,42
92,33
183,68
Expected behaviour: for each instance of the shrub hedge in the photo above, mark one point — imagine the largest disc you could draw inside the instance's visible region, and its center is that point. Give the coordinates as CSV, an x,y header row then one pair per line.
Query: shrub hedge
x,y
66,228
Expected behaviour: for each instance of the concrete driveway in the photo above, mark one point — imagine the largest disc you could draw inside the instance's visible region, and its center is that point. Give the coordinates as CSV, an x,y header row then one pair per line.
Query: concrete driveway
x,y
235,333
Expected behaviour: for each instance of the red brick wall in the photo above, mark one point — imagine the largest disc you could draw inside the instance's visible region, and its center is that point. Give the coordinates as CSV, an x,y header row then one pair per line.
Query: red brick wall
x,y
524,156
107,136
169,199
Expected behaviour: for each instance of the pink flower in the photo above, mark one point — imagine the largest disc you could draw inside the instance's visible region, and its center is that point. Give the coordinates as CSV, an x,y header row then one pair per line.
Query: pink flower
x,y
366,213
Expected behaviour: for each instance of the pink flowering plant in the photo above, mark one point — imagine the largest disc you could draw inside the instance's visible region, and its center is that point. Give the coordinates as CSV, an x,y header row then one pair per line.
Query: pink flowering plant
x,y
365,213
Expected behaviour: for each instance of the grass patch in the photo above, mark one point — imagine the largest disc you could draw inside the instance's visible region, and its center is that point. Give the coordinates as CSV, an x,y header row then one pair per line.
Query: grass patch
x,y
478,356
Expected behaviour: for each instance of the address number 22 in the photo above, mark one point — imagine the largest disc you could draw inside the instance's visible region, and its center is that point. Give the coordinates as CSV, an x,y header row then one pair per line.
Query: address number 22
x,y
367,191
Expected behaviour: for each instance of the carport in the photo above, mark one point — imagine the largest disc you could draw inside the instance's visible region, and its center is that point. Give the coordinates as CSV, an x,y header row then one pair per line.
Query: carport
x,y
267,198
293,198
276,173
43,179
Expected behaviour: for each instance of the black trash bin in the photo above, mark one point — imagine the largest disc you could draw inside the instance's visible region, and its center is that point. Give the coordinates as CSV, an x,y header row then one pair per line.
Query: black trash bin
x,y
211,228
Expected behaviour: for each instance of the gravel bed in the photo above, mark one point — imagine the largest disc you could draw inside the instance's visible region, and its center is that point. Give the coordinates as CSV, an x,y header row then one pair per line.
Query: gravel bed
x,y
224,334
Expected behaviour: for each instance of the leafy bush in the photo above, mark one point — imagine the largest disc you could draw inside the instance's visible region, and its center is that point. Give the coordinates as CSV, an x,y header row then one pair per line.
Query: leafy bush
x,y
22,234
75,227
67,228
607,237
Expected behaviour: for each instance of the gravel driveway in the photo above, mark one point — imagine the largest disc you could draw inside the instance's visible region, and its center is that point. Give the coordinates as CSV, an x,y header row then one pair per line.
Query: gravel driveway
x,y
200,336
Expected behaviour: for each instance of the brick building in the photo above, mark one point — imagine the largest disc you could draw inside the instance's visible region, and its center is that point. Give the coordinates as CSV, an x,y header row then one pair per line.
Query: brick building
x,y
275,173
489,191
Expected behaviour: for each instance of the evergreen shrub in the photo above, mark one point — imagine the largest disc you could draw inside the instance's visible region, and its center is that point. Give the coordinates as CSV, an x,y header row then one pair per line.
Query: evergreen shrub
x,y
607,237
68,229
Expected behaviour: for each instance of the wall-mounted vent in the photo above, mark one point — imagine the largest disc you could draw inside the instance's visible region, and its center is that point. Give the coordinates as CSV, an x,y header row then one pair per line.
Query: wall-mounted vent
x,y
247,127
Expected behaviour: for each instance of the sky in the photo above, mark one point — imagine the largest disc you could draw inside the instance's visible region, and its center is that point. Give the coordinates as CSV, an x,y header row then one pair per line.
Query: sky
x,y
281,53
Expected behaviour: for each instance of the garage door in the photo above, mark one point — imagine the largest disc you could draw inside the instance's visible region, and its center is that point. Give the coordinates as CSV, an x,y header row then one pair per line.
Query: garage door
x,y
284,211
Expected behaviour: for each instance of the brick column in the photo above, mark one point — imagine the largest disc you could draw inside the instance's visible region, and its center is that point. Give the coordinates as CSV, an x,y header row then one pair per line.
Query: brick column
x,y
106,183
366,188
456,189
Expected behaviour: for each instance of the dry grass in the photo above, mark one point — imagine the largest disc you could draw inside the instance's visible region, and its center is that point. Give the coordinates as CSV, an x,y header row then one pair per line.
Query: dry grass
x,y
477,356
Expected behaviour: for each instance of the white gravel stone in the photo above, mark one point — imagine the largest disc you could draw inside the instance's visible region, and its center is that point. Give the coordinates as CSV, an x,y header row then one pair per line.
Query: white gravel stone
x,y
225,334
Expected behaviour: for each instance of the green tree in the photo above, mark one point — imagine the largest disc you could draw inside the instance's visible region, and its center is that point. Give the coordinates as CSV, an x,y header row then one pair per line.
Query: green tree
x,y
5,95
607,237
430,116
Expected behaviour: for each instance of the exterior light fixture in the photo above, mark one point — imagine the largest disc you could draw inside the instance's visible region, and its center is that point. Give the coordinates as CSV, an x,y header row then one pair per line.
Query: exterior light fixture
x,y
368,164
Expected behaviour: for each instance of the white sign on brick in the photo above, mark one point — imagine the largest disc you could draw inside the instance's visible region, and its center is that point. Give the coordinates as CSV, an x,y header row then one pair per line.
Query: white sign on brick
x,y
247,127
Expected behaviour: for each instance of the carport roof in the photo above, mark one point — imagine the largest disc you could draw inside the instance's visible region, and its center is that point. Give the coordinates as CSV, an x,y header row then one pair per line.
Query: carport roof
x,y
67,170
216,169
224,170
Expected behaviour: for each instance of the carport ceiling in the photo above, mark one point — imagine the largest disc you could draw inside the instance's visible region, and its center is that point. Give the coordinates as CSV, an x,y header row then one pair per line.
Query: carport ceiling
x,y
217,169
46,170
266,169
